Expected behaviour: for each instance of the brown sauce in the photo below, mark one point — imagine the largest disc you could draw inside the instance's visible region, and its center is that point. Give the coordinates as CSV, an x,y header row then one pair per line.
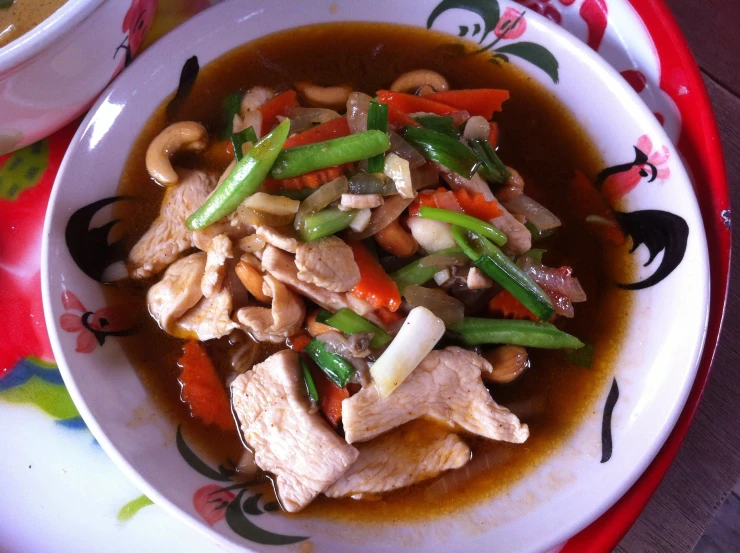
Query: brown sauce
x,y
24,15
539,138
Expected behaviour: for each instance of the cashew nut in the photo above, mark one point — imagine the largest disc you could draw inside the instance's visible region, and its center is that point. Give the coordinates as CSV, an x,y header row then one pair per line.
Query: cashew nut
x,y
508,363
186,135
333,97
396,240
411,81
252,281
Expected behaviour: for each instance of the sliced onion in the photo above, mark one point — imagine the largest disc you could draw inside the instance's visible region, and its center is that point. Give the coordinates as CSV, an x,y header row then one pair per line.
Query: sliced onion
x,y
358,105
246,216
302,119
442,276
247,466
405,150
367,183
477,128
424,176
535,212
446,200
474,185
447,308
355,346
389,187
385,215
317,201
397,169
459,117
444,260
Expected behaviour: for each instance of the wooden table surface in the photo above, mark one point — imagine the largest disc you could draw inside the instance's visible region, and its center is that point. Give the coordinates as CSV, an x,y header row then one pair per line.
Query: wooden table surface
x,y
708,464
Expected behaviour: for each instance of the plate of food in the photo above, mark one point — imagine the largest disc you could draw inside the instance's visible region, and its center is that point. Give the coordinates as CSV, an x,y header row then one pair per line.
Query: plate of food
x,y
379,277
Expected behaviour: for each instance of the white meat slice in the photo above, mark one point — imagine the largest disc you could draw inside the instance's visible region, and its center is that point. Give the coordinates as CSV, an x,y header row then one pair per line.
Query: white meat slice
x,y
328,263
177,292
478,280
277,323
168,236
288,438
445,387
209,319
282,266
412,453
219,251
277,239
360,201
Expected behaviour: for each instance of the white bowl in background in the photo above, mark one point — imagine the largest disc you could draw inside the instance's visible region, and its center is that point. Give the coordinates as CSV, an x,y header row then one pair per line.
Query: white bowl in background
x,y
54,72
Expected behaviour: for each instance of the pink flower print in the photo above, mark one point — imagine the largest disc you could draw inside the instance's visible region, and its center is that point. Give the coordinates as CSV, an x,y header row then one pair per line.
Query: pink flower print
x,y
137,21
648,164
511,25
94,328
211,501
548,8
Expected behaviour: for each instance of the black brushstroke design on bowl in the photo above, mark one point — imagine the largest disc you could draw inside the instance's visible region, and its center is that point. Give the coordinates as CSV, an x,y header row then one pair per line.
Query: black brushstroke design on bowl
x,y
606,422
659,231
89,247
188,76
647,169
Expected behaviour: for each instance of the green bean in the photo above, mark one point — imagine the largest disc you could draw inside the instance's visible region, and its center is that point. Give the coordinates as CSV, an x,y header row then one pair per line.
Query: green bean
x,y
243,181
475,331
466,221
417,273
350,322
311,157
325,223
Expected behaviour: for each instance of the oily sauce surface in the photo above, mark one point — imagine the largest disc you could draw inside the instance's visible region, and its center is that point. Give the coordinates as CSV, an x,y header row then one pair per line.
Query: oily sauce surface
x,y
24,15
539,138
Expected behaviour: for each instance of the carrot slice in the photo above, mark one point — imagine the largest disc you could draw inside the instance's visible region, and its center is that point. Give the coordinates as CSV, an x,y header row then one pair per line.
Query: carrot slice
x,y
400,119
202,389
375,286
298,342
477,101
408,103
314,179
330,396
507,306
336,128
587,202
219,153
493,135
277,106
387,317
477,206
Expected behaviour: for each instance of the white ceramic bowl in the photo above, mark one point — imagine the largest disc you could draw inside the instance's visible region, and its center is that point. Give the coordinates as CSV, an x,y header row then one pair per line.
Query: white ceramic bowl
x,y
653,372
53,73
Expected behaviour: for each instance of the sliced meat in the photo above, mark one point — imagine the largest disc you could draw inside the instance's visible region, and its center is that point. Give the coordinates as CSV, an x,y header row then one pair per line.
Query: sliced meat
x,y
177,292
277,239
209,319
327,263
478,280
282,320
168,236
360,201
255,98
289,440
445,387
219,251
282,266
415,452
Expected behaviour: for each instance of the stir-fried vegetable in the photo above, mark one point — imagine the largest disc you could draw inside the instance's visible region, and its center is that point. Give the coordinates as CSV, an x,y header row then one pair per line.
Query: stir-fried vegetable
x,y
419,334
375,286
330,397
582,357
410,103
317,201
243,180
310,157
311,180
439,123
460,200
334,366
536,213
418,272
450,310
492,168
366,183
310,384
238,139
443,149
230,106
277,105
478,101
492,261
325,223
201,387
465,221
350,322
398,170
275,205
475,331
336,128
377,120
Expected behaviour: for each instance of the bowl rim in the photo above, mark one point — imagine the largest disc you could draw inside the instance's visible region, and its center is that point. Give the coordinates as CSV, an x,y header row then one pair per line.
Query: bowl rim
x,y
111,449
43,35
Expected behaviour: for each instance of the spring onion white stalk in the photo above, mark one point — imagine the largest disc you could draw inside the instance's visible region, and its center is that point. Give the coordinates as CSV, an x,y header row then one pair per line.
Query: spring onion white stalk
x,y
419,334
